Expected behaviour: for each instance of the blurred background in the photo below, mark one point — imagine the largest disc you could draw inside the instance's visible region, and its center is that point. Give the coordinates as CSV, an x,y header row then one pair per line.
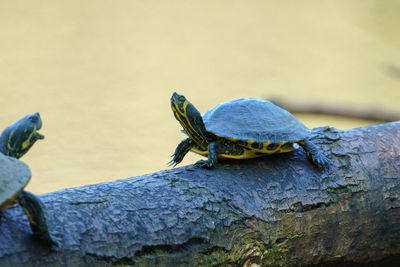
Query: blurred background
x,y
101,73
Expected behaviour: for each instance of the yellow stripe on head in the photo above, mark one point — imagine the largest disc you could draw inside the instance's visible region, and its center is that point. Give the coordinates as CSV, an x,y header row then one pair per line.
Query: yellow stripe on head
x,y
190,119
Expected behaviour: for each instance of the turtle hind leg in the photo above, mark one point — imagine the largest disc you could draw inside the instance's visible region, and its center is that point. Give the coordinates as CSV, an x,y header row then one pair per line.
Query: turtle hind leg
x,y
180,152
33,208
314,154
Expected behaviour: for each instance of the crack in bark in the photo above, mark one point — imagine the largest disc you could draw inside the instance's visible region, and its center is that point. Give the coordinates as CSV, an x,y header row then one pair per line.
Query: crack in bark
x,y
112,259
157,250
77,203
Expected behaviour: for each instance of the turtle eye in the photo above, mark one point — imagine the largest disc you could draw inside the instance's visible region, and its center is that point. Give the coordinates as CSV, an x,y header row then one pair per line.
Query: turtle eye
x,y
34,119
181,99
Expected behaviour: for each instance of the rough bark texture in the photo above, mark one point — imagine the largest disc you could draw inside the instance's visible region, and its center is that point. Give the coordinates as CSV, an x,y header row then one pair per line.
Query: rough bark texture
x,y
276,210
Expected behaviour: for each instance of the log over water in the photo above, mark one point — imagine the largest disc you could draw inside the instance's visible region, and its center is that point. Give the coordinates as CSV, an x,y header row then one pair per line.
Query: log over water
x,y
277,210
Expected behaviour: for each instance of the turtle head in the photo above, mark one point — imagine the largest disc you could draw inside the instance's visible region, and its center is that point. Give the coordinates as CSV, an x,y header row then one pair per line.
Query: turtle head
x,y
20,136
190,119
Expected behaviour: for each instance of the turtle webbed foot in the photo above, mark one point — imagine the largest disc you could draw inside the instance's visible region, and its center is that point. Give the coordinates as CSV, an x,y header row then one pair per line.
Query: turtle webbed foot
x,y
319,159
45,238
176,159
206,164
38,136
314,154
212,157
173,162
181,150
58,245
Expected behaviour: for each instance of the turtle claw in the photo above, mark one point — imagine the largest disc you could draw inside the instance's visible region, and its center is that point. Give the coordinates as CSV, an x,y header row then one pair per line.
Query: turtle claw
x,y
180,152
59,246
51,241
172,163
206,164
320,160
314,154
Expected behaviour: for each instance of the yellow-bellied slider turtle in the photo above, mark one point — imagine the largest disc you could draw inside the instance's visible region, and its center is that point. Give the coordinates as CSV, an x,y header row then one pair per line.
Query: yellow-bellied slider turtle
x,y
15,141
240,129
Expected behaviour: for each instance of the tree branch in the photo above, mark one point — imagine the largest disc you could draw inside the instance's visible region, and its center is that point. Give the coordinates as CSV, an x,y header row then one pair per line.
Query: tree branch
x,y
276,210
373,114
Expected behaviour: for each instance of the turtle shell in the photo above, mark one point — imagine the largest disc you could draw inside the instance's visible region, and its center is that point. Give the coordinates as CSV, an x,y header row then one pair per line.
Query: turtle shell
x,y
14,176
254,119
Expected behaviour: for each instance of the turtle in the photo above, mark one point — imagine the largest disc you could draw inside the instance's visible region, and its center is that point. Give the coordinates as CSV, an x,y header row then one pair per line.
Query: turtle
x,y
241,128
15,141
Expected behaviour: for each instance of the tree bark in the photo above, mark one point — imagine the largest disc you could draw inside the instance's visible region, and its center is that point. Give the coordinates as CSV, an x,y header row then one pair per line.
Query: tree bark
x,y
278,210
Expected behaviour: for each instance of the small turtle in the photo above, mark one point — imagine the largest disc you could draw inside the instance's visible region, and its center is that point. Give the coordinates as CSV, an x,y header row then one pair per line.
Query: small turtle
x,y
240,129
15,141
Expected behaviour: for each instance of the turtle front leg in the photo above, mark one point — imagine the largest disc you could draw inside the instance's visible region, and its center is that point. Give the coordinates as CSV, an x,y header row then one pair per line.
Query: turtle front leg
x,y
33,208
216,148
213,151
314,154
181,150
